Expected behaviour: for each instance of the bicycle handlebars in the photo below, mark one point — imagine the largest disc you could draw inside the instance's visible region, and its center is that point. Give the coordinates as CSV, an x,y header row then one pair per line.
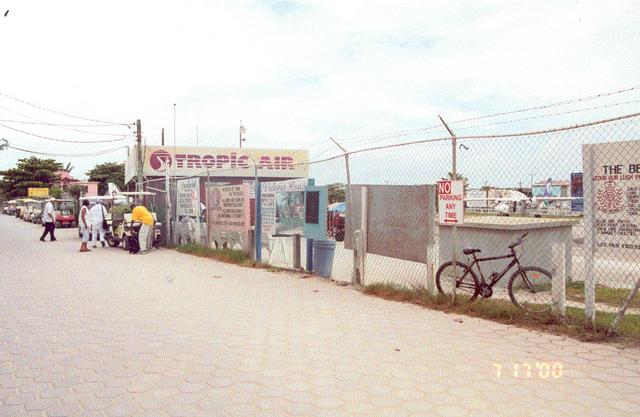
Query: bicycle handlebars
x,y
518,241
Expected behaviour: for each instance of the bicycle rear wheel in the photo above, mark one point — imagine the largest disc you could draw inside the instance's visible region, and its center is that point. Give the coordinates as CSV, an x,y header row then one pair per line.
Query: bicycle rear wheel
x,y
460,277
530,289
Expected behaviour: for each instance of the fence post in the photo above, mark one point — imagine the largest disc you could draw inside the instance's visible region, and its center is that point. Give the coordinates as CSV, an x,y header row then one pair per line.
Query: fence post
x,y
454,176
355,278
168,203
432,249
309,255
258,222
364,212
296,251
558,278
589,238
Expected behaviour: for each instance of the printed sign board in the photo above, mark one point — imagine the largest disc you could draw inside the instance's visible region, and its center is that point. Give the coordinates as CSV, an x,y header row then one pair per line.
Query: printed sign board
x,y
228,208
282,208
577,205
451,202
612,196
188,203
219,162
38,192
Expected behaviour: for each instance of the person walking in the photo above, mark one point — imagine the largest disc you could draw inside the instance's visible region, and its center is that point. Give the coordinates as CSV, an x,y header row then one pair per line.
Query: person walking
x,y
49,221
145,218
85,225
98,218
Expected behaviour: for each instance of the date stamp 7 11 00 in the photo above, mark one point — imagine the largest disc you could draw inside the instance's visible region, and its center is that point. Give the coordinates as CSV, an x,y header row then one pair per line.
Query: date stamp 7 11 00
x,y
542,370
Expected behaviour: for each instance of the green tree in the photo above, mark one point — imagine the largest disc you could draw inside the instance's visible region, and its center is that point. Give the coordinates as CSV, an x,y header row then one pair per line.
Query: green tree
x,y
55,192
29,172
75,191
106,173
459,177
336,192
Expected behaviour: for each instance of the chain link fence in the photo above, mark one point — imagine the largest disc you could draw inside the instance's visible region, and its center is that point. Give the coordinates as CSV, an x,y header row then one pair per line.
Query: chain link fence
x,y
573,191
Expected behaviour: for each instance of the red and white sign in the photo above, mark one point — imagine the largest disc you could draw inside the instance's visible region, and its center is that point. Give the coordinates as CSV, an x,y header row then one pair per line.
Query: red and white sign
x,y
451,202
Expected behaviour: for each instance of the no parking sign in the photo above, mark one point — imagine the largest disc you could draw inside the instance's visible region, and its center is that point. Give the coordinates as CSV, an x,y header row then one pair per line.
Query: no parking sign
x,y
451,202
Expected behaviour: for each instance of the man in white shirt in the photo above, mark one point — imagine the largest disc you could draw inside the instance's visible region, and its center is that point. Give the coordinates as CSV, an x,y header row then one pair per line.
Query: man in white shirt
x,y
49,220
97,214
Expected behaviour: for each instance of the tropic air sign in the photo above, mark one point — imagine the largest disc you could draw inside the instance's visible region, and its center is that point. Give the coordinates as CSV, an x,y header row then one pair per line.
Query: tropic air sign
x,y
220,162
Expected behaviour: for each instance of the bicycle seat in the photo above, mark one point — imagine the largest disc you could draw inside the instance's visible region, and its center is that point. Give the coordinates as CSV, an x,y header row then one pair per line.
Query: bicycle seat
x,y
470,251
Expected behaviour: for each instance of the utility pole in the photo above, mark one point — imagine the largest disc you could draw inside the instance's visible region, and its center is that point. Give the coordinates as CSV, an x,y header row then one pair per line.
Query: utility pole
x,y
162,141
242,131
139,150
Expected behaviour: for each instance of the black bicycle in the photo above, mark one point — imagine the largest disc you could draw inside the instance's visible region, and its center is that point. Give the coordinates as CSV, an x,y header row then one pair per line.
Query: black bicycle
x,y
529,286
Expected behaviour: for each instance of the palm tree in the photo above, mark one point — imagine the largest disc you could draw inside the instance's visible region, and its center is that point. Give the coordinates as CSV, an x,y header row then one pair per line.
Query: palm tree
x,y
458,177
68,168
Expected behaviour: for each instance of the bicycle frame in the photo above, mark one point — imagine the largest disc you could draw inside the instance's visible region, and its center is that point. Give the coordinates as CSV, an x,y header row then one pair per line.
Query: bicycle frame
x,y
498,276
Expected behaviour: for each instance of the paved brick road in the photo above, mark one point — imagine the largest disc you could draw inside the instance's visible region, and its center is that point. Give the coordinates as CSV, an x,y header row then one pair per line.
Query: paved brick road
x,y
110,334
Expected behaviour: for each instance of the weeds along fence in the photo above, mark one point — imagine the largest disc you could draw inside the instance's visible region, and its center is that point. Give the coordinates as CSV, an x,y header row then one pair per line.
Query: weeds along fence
x,y
574,190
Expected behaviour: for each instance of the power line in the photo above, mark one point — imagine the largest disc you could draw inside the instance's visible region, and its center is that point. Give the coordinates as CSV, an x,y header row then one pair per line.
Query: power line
x,y
59,112
64,126
37,122
70,155
121,138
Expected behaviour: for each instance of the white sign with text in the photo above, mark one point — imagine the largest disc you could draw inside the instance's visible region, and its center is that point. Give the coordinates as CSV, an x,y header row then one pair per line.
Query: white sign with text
x,y
451,202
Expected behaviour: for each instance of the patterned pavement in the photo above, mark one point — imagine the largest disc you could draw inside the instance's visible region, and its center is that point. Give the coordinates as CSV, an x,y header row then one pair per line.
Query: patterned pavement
x,y
111,334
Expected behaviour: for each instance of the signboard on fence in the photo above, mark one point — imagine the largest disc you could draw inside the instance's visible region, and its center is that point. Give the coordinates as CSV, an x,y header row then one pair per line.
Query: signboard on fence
x,y
282,207
228,209
612,196
400,220
451,202
188,202
577,205
37,192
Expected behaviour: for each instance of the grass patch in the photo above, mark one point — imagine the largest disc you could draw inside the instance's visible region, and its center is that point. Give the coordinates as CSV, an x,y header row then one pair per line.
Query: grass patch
x,y
613,297
230,256
224,255
502,311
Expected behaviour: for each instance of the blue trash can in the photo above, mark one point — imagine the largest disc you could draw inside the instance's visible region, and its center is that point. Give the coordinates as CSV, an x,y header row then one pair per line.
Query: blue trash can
x,y
323,251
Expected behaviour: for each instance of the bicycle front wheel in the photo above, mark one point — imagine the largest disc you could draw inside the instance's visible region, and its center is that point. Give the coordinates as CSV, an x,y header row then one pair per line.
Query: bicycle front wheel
x,y
457,277
530,289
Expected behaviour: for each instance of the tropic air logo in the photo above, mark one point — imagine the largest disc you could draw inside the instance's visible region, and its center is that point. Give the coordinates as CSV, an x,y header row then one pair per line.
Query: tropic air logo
x,y
160,157
609,199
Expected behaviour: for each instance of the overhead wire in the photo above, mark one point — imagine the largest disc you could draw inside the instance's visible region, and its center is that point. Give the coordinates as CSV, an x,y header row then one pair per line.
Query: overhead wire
x,y
64,126
59,112
121,138
68,155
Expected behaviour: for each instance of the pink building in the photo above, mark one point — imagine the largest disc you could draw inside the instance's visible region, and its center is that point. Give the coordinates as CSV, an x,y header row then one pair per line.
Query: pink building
x,y
89,188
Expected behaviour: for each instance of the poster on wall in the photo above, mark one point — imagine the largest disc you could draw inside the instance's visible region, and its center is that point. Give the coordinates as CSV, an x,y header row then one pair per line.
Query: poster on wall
x,y
282,207
228,208
612,196
188,202
577,204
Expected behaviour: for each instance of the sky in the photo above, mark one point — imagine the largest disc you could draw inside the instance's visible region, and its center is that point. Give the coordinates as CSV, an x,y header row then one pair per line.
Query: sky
x,y
299,72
